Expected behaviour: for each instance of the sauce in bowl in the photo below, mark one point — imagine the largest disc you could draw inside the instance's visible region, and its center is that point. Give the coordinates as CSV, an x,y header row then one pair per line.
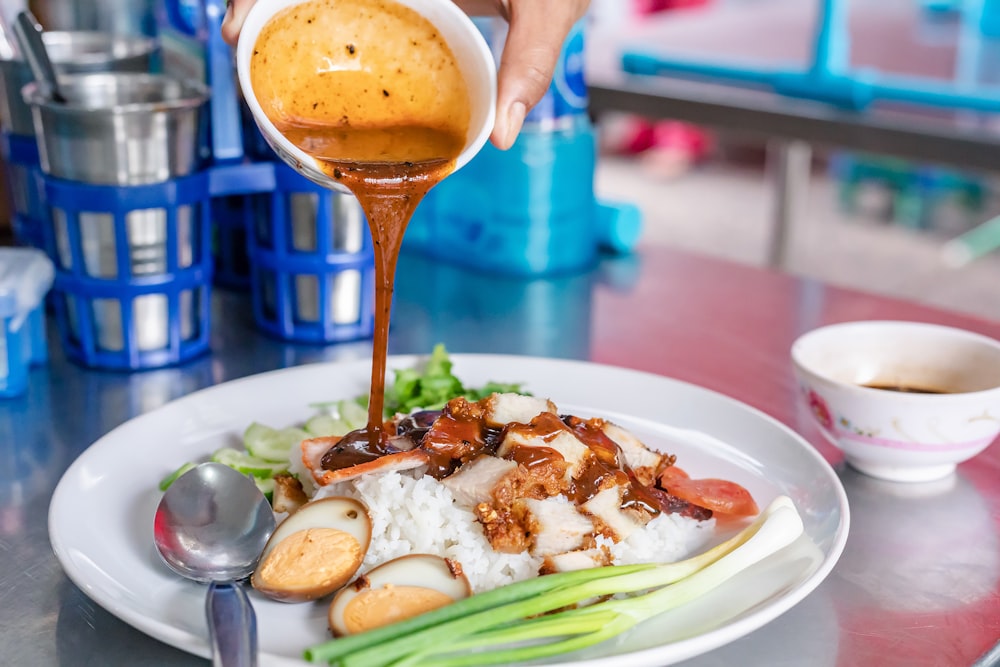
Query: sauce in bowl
x,y
370,89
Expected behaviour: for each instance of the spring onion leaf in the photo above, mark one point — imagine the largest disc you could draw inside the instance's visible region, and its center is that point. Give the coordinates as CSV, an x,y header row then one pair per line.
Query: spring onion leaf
x,y
490,628
434,385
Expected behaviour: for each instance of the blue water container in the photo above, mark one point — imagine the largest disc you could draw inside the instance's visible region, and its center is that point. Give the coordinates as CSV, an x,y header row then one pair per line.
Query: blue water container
x,y
529,210
26,275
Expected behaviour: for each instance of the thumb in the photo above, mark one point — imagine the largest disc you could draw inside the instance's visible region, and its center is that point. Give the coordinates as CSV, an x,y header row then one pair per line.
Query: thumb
x,y
529,58
236,13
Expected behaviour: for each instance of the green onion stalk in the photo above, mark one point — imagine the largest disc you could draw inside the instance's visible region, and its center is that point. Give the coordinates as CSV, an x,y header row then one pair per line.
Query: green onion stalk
x,y
535,619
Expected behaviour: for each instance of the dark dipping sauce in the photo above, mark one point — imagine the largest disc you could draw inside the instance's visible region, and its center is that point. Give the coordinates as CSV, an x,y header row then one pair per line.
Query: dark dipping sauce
x,y
908,389
372,92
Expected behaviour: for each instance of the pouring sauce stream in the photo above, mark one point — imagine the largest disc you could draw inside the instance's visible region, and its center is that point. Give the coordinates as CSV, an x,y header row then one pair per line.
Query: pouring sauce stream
x,y
372,92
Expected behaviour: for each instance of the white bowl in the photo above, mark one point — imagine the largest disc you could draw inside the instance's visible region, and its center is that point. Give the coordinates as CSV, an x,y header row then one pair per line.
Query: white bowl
x,y
463,38
897,435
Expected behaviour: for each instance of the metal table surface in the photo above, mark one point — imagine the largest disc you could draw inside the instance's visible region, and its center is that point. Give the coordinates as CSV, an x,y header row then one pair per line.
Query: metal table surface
x,y
918,584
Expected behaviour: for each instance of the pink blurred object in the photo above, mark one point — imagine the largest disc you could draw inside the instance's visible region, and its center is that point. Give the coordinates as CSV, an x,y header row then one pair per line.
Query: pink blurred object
x,y
644,7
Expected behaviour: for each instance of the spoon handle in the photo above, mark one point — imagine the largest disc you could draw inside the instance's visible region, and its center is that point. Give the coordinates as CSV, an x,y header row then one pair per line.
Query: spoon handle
x,y
232,626
28,33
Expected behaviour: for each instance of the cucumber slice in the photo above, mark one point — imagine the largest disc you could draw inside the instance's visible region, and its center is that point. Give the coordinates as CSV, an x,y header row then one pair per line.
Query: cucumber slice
x,y
172,477
247,464
271,444
266,486
324,425
353,414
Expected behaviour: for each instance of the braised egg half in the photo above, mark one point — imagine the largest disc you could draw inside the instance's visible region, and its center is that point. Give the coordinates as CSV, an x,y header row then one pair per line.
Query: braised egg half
x,y
314,551
397,590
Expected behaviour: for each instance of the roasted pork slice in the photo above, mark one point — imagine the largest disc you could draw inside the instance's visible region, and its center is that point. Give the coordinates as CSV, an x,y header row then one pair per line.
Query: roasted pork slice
x,y
475,481
571,561
609,518
641,459
554,525
503,409
543,437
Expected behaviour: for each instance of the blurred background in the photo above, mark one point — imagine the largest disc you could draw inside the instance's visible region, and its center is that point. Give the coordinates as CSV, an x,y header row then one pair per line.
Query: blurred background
x,y
854,141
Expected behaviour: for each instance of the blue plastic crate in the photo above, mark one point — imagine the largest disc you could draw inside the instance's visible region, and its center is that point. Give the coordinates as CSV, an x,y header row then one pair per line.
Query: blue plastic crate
x,y
133,271
312,263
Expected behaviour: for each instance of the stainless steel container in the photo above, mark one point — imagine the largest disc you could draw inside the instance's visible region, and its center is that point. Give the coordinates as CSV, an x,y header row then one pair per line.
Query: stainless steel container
x,y
120,128
124,129
72,52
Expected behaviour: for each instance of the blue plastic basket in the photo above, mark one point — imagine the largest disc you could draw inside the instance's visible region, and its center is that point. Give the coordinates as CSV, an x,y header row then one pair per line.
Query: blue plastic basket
x,y
131,306
231,218
312,263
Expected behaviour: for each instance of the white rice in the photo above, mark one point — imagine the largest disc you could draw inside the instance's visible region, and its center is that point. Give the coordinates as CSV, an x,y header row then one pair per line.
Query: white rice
x,y
419,516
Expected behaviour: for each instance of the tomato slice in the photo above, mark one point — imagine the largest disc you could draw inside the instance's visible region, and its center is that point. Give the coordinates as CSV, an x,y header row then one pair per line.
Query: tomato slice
x,y
719,495
669,474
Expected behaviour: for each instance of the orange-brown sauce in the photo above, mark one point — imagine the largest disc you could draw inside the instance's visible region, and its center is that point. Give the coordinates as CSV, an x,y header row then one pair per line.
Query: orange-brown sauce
x,y
373,92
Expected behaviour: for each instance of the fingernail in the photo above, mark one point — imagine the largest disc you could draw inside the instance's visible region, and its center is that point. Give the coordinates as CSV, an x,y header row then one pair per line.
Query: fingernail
x,y
515,119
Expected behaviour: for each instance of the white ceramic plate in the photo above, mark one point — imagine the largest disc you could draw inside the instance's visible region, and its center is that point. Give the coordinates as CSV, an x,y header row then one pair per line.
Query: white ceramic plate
x,y
100,520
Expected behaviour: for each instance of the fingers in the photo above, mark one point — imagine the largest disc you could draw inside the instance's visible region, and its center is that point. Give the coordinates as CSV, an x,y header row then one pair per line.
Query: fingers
x,y
236,12
534,42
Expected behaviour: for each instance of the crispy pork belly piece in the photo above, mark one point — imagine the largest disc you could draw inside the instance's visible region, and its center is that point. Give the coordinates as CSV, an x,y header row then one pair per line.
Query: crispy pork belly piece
x,y
572,561
456,437
553,524
543,434
314,449
502,409
609,518
504,533
474,482
641,459
542,479
288,494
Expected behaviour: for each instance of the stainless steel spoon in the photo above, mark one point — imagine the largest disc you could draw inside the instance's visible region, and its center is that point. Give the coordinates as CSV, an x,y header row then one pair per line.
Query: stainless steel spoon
x,y
28,33
211,526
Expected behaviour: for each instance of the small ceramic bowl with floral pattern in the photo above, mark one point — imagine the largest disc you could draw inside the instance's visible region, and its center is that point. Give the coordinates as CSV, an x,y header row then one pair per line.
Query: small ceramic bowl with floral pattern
x,y
905,401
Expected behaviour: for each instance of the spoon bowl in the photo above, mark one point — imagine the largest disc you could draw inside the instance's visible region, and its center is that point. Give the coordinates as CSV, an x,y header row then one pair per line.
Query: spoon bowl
x,y
211,526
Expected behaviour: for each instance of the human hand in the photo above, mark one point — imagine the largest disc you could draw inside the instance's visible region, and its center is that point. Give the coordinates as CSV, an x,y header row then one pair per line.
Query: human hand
x,y
538,29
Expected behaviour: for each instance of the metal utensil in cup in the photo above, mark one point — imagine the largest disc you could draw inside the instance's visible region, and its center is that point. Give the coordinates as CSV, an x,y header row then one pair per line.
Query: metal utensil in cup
x,y
29,39
71,52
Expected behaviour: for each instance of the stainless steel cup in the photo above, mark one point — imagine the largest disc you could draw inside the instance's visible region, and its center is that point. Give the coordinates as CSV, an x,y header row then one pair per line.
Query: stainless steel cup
x,y
72,52
124,129
120,128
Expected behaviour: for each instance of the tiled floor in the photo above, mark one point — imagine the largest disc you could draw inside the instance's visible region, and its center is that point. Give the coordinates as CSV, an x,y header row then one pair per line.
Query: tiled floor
x,y
726,211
